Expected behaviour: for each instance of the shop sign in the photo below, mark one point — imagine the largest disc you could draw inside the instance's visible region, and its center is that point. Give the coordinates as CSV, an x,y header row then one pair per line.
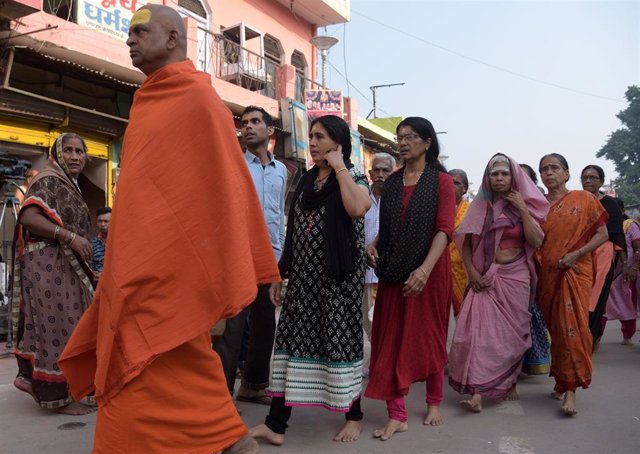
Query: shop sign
x,y
323,102
111,17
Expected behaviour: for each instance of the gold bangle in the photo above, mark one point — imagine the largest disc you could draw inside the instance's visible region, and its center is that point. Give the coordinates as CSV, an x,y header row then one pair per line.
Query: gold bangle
x,y
423,271
70,238
56,232
344,168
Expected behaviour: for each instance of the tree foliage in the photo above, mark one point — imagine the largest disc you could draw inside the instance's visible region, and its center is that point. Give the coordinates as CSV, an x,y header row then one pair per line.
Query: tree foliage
x,y
623,148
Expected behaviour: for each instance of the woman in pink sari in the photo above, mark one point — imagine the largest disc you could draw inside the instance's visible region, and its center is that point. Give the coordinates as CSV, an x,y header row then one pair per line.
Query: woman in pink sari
x,y
622,299
499,235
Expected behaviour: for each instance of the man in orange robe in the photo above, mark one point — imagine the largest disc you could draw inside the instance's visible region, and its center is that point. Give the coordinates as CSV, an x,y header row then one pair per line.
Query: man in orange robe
x,y
187,247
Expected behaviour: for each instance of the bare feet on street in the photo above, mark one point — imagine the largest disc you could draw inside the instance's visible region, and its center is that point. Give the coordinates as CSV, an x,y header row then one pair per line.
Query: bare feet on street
x,y
393,426
569,404
627,342
263,432
474,404
349,432
513,395
24,385
434,416
556,395
246,445
75,408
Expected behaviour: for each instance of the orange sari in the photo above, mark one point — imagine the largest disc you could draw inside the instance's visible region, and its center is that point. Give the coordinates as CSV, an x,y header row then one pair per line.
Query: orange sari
x,y
564,295
187,247
457,267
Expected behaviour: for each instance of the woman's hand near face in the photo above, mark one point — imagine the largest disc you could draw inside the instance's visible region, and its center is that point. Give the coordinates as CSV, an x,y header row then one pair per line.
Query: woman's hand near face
x,y
515,199
334,158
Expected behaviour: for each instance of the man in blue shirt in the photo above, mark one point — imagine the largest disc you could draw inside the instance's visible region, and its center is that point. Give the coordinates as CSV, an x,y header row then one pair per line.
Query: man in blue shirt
x,y
270,180
99,243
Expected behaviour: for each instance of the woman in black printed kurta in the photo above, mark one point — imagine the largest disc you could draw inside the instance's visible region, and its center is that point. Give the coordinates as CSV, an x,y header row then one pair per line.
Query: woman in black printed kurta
x,y
318,351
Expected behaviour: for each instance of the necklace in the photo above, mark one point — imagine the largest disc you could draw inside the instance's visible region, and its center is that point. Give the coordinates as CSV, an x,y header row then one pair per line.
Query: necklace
x,y
319,182
404,176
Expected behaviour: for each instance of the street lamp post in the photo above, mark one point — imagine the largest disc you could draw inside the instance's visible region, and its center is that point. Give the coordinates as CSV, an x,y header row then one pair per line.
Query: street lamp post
x,y
324,43
373,89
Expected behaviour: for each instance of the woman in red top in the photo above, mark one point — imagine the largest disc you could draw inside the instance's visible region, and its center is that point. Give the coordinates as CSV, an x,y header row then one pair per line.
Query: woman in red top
x,y
409,333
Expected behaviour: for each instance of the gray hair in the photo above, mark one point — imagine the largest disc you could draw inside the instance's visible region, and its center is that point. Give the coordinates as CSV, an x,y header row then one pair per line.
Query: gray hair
x,y
463,174
386,156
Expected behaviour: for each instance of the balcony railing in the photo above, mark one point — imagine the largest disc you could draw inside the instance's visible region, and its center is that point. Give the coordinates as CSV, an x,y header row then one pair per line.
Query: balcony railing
x,y
227,60
302,84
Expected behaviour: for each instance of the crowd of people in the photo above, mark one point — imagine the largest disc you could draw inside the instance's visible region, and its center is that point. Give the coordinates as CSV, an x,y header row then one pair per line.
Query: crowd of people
x,y
388,262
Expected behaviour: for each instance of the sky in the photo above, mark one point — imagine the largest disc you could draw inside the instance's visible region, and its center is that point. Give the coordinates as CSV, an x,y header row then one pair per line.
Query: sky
x,y
524,78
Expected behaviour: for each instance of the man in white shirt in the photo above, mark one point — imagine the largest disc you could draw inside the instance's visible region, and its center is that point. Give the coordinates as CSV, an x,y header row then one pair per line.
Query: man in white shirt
x,y
382,166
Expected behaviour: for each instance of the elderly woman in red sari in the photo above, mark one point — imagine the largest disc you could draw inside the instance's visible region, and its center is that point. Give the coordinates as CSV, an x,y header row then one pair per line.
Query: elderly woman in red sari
x,y
52,281
575,227
410,254
499,235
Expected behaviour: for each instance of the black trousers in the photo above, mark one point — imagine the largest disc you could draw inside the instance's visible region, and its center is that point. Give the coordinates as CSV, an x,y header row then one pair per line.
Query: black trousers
x,y
279,414
595,317
262,333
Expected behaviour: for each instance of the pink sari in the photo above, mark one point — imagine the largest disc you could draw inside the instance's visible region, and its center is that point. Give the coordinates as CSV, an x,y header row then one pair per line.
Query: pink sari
x,y
622,304
493,328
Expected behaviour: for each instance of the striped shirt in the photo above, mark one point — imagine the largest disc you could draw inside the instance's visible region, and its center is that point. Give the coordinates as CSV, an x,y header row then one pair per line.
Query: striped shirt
x,y
97,258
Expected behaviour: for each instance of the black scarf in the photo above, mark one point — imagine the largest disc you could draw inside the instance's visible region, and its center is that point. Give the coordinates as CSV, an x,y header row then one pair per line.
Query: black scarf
x,y
403,246
340,243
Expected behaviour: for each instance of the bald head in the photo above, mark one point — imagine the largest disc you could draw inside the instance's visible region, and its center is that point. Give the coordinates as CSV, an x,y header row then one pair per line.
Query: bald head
x,y
157,38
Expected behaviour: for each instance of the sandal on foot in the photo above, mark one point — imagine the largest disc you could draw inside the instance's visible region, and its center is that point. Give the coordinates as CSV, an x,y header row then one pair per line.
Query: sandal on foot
x,y
262,399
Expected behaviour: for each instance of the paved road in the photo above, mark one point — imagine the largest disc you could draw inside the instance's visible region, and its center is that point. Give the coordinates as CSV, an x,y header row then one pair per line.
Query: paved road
x,y
608,422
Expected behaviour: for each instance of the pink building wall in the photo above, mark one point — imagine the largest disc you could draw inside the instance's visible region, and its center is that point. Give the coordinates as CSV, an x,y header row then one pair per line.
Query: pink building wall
x,y
104,53
269,17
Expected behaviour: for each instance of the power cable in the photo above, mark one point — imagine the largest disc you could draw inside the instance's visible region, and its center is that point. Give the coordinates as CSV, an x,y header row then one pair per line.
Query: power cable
x,y
358,90
344,55
484,63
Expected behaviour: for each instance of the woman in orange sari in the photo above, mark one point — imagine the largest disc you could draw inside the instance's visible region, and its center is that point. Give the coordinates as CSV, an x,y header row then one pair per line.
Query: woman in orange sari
x,y
461,186
575,227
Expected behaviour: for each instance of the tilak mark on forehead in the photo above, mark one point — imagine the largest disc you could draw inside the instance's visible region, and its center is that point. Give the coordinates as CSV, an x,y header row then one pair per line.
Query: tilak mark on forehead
x,y
142,16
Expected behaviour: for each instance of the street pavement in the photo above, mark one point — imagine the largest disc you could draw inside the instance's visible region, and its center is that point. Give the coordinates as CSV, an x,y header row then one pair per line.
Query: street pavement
x,y
608,421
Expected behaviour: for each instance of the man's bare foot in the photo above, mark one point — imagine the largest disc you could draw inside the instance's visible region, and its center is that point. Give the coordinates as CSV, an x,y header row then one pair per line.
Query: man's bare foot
x,y
556,395
263,432
246,445
434,416
349,432
393,426
75,408
569,404
513,395
474,404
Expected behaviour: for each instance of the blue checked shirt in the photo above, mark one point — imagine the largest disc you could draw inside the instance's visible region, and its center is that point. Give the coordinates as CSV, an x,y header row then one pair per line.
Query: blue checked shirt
x,y
271,185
